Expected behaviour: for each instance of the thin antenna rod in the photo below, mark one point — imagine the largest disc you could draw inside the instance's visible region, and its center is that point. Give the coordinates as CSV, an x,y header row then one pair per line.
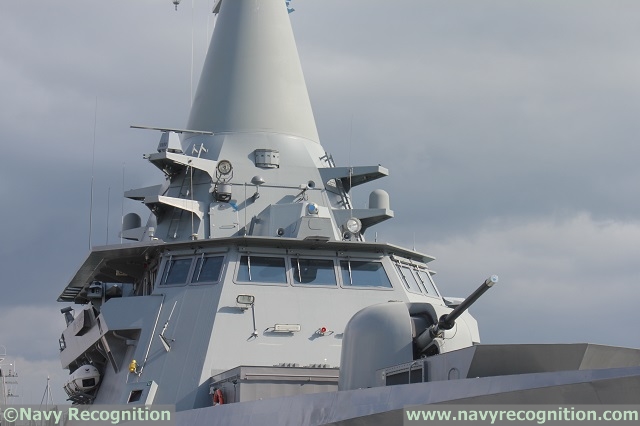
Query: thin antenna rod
x,y
47,397
192,42
93,165
351,204
122,205
108,207
350,139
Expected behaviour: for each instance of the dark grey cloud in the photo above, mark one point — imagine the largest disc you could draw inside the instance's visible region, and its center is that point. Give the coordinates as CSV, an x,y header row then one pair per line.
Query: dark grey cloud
x,y
500,109
508,127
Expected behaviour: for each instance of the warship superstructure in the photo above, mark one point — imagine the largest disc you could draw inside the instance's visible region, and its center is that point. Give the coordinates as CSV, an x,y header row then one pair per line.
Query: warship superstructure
x,y
251,291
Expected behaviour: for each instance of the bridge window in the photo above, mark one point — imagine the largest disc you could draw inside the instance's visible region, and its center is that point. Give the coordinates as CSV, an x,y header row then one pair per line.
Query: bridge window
x,y
357,273
176,271
416,278
409,279
314,271
270,270
207,269
425,278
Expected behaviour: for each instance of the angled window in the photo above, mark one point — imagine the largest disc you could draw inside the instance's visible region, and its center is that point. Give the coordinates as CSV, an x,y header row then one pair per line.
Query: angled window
x,y
207,269
176,271
409,280
425,278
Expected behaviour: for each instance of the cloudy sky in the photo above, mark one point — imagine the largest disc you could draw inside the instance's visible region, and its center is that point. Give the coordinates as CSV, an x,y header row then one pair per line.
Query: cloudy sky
x,y
509,129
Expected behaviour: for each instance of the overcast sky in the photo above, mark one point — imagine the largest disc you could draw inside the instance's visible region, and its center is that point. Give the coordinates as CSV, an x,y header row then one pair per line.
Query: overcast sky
x,y
509,128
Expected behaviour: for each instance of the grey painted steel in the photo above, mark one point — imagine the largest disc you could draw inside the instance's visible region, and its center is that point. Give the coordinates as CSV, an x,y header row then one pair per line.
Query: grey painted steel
x,y
375,337
158,333
506,360
383,335
251,383
102,262
207,321
252,79
383,405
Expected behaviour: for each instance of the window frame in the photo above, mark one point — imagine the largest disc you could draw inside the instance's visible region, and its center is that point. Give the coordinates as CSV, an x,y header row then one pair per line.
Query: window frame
x,y
237,280
203,256
415,270
294,261
167,263
360,287
404,279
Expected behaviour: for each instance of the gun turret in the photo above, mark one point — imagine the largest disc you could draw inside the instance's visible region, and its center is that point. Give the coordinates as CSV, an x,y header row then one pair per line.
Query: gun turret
x,y
446,322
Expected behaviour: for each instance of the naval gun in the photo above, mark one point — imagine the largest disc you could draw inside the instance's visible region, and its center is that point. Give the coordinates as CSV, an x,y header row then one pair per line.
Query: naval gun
x,y
400,333
448,321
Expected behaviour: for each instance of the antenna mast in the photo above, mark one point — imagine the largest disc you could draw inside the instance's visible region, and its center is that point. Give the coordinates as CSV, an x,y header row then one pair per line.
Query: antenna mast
x,y
8,378
47,397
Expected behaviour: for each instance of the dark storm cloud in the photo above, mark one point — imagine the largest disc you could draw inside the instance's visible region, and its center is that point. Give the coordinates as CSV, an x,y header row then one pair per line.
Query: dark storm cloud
x,y
509,129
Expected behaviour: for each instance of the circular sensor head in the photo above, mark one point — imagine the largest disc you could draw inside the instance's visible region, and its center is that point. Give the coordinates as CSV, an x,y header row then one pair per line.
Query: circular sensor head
x,y
312,208
353,225
224,167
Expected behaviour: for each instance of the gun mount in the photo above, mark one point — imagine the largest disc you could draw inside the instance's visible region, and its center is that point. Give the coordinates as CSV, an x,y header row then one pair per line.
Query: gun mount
x,y
446,322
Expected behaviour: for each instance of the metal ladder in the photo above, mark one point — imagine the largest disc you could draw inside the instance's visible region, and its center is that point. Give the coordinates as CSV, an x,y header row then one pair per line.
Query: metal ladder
x,y
344,197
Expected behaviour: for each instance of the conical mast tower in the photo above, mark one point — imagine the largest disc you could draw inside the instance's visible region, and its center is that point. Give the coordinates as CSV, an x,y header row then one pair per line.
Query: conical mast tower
x,y
251,143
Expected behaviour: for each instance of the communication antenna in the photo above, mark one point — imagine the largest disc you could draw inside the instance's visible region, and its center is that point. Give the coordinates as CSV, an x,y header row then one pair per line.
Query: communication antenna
x,y
122,204
108,208
93,165
175,4
47,397
350,164
8,379
192,43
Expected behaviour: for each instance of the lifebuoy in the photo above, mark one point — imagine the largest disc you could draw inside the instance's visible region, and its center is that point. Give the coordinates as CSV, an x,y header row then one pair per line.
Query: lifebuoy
x,y
218,399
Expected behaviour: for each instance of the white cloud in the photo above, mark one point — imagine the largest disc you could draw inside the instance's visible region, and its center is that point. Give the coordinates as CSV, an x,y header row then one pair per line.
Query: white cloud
x,y
560,279
29,334
32,328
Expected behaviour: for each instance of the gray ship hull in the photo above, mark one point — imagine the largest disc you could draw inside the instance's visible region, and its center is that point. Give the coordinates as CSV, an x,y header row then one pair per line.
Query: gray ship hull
x,y
501,374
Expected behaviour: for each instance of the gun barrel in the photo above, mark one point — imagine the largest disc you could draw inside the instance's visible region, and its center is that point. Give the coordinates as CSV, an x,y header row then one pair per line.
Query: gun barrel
x,y
466,303
447,322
